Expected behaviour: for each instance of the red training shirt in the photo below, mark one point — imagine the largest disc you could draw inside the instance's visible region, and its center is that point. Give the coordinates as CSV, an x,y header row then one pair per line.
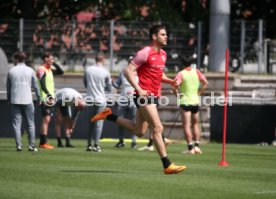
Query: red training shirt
x,y
150,66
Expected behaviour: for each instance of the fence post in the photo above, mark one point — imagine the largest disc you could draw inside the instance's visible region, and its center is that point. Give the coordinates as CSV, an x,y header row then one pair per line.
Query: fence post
x,y
259,46
267,55
199,39
111,45
21,32
242,45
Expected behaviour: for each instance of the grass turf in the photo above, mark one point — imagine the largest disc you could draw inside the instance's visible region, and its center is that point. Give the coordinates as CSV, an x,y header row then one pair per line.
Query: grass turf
x,y
131,174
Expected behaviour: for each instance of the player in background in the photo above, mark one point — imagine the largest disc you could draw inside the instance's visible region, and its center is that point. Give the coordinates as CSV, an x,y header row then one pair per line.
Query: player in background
x,y
20,81
45,76
126,107
69,103
189,80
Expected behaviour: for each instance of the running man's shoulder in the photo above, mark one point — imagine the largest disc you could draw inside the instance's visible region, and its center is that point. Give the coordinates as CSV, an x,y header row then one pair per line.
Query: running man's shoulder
x,y
141,56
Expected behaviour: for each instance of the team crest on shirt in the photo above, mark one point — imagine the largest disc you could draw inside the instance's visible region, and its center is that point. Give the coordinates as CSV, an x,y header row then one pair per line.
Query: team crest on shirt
x,y
163,58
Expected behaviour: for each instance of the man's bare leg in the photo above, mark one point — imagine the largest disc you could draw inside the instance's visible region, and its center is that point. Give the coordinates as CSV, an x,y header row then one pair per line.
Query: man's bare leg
x,y
44,132
195,126
139,128
186,118
68,125
150,114
58,122
196,131
147,115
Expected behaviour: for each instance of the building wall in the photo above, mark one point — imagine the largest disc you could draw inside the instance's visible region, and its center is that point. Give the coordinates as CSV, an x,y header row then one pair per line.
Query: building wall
x,y
245,123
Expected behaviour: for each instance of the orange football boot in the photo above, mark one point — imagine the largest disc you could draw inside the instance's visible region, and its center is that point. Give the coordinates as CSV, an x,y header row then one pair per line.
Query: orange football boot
x,y
46,146
173,169
102,115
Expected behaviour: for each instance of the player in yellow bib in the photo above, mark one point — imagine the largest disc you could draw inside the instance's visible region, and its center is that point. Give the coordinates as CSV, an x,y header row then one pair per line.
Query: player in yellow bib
x,y
47,94
192,83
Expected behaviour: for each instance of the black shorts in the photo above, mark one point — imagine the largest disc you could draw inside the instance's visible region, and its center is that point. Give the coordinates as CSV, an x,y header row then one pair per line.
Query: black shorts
x,y
143,101
47,110
69,111
193,108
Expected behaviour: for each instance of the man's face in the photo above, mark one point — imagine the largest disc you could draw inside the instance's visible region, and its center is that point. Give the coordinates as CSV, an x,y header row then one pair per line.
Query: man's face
x,y
161,38
49,60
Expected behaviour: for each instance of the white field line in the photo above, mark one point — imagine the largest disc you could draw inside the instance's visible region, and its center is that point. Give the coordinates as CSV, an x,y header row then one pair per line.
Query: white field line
x,y
267,192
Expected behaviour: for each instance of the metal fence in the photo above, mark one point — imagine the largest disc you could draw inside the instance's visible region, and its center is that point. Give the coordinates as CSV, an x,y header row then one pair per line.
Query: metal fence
x,y
75,44
247,47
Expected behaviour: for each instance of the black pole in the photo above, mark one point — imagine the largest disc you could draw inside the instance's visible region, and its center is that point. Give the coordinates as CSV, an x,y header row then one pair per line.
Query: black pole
x,y
268,68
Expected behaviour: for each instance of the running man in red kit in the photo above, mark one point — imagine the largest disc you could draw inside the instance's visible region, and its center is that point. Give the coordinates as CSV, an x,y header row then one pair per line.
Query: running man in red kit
x,y
149,63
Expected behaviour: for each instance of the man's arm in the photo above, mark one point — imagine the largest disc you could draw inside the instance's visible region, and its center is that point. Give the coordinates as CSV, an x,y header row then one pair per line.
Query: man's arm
x,y
84,80
178,79
129,73
43,85
35,86
8,87
108,84
58,70
203,81
167,80
204,85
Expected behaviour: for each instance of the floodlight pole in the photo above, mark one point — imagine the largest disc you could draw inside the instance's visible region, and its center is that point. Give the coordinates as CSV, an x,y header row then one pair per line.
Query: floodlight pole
x,y
223,161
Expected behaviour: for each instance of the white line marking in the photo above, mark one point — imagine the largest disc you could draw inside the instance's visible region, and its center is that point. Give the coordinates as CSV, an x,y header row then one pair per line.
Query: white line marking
x,y
266,192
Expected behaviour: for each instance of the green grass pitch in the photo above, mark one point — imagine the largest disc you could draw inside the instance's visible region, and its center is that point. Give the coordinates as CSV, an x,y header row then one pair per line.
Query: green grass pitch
x,y
131,174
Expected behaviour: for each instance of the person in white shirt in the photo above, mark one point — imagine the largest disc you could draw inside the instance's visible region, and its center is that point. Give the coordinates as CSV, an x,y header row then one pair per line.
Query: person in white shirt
x,y
68,104
20,81
126,108
97,81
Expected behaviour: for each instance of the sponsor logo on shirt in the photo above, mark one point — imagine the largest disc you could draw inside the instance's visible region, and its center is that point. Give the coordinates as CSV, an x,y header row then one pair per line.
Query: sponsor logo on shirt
x,y
157,66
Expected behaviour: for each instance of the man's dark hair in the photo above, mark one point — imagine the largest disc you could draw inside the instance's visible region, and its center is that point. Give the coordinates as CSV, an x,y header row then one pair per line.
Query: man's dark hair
x,y
46,54
100,57
186,60
19,56
155,29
